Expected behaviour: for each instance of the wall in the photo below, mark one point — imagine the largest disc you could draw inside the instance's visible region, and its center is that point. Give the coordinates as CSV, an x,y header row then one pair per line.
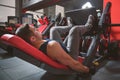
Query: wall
x,y
7,8
50,11
115,17
54,10
59,9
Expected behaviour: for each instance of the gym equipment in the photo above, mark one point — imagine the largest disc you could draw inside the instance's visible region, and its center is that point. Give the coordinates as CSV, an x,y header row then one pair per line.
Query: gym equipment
x,y
27,18
10,26
102,42
45,28
105,28
79,16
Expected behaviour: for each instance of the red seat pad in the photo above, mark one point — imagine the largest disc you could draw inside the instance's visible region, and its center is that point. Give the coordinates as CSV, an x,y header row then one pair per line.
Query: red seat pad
x,y
42,28
19,43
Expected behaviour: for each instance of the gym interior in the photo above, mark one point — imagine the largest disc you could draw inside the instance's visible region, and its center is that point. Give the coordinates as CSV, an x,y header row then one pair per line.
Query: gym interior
x,y
99,49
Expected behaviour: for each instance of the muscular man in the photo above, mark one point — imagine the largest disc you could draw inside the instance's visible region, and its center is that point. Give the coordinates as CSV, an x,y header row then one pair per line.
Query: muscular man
x,y
54,49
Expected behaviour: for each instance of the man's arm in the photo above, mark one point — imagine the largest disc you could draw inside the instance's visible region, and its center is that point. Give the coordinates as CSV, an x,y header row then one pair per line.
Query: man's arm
x,y
55,51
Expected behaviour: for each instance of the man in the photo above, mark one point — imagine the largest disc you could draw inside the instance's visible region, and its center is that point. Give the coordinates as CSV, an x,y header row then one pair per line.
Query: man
x,y
54,49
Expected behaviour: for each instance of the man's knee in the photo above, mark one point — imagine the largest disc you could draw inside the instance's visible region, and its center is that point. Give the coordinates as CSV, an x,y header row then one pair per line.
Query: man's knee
x,y
74,30
53,29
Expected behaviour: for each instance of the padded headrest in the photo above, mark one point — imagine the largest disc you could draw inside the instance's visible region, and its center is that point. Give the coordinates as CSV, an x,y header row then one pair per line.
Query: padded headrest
x,y
19,43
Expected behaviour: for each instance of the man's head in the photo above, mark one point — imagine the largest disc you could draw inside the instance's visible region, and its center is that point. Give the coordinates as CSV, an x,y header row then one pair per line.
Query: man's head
x,y
29,33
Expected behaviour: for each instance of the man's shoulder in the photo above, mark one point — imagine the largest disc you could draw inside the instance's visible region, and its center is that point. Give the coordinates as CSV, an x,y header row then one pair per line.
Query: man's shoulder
x,y
53,44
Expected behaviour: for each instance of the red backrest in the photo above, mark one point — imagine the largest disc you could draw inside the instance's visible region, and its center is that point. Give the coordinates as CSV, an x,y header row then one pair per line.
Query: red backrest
x,y
19,43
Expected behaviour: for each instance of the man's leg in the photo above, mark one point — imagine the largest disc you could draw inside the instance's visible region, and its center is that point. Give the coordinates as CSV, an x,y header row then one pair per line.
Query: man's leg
x,y
73,40
56,32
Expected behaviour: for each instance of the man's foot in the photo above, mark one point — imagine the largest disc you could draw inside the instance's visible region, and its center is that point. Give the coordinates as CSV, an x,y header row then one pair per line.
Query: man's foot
x,y
89,23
